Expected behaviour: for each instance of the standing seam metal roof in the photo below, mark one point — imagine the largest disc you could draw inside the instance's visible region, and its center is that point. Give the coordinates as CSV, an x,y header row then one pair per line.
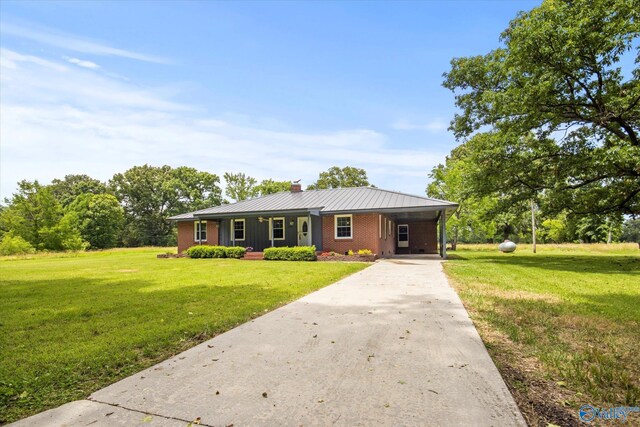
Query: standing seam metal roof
x,y
331,200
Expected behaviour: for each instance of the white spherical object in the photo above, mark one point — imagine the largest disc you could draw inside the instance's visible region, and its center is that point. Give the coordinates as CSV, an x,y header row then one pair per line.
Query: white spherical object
x,y
507,246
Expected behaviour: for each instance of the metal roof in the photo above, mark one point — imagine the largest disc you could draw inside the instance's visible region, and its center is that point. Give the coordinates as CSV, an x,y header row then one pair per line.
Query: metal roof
x,y
325,201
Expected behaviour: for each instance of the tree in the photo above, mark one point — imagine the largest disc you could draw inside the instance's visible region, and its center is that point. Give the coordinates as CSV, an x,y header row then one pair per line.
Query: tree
x,y
336,177
269,186
99,218
151,194
556,95
240,186
67,189
35,215
631,231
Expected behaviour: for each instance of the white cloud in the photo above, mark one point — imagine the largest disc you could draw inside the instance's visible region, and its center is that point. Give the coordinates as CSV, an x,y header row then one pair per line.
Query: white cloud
x,y
83,63
72,43
56,120
435,125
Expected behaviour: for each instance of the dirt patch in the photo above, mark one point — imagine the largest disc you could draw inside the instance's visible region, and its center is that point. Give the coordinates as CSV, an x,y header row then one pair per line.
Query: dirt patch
x,y
541,401
127,270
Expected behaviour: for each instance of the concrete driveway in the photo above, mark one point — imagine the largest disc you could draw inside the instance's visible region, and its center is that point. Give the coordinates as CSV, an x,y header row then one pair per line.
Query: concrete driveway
x,y
390,345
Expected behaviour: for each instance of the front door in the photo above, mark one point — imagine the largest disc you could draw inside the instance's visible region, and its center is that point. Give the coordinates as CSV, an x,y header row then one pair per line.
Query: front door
x,y
303,232
403,236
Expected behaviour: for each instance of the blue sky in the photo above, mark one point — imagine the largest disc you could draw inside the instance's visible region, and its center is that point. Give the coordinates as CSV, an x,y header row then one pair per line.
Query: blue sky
x,y
276,90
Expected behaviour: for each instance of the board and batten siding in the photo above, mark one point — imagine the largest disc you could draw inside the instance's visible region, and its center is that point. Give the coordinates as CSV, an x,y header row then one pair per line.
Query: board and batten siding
x,y
256,233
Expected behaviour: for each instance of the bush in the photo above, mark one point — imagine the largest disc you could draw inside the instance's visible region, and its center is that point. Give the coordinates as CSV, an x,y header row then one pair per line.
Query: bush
x,y
234,252
298,253
365,252
15,245
206,251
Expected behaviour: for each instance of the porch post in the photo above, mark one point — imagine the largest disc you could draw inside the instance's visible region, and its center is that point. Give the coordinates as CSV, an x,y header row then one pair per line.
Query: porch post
x,y
233,232
271,229
443,235
310,235
199,232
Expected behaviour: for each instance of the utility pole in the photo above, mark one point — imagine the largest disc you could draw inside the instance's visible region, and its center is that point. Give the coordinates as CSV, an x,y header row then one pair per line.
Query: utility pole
x,y
533,224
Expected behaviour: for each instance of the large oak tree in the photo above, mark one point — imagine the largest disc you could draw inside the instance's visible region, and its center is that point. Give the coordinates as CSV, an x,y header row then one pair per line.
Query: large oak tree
x,y
555,111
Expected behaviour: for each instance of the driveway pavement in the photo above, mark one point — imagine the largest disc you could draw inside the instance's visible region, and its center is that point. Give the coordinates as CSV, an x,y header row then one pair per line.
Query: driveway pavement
x,y
390,345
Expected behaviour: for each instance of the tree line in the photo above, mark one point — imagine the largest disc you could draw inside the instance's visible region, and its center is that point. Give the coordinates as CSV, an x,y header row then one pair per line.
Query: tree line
x,y
549,128
79,212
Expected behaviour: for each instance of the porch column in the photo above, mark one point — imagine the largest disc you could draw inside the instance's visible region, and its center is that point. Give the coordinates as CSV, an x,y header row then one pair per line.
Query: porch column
x,y
233,232
199,231
443,235
310,235
271,230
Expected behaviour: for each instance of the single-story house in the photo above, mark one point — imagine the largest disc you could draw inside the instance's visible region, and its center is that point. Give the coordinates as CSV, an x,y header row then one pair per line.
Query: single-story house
x,y
337,220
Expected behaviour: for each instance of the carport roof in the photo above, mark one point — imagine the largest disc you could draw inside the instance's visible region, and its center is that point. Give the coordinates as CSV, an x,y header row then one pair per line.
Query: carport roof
x,y
337,200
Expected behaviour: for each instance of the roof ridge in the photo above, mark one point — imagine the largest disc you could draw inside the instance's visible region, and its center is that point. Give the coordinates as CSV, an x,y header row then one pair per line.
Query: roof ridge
x,y
241,201
407,194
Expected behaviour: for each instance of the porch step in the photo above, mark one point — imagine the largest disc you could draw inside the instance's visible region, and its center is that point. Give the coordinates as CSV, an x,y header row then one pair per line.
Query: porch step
x,y
253,256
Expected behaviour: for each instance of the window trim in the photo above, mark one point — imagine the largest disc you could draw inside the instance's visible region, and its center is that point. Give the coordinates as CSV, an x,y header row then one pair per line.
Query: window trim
x,y
335,226
195,231
284,228
233,230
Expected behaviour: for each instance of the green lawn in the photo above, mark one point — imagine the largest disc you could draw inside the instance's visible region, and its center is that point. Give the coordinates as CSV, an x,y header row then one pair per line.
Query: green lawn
x,y
563,325
71,324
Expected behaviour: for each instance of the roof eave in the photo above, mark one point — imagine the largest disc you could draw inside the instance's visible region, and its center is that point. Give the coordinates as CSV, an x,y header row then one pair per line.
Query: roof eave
x,y
449,207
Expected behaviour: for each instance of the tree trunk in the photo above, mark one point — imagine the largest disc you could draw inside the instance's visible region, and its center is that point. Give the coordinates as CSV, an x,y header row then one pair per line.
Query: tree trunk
x,y
454,242
533,225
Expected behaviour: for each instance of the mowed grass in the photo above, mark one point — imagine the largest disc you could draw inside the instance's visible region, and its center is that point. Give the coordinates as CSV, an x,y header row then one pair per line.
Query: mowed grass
x,y
568,316
71,324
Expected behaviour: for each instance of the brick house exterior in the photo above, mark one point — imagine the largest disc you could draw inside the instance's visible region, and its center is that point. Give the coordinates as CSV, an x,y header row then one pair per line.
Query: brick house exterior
x,y
335,220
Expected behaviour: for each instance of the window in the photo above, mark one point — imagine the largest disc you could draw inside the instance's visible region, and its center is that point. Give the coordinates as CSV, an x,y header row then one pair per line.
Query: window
x,y
237,228
344,225
385,229
277,229
389,228
200,231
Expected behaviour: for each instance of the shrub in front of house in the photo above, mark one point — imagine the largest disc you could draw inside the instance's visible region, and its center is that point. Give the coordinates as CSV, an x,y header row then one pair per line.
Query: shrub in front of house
x,y
234,252
206,251
297,253
362,255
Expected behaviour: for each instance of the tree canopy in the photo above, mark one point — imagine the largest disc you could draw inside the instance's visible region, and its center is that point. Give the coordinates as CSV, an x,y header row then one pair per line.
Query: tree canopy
x,y
336,177
239,186
269,186
555,110
67,189
151,194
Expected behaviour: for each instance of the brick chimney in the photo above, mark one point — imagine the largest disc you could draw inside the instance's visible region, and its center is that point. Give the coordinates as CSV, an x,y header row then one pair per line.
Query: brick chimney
x,y
296,187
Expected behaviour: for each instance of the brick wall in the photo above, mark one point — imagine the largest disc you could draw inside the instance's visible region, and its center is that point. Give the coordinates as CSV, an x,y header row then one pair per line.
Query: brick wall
x,y
364,234
423,237
368,233
186,235
387,243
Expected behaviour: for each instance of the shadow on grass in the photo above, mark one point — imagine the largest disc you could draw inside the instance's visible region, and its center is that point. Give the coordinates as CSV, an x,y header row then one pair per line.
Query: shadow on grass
x,y
62,339
629,265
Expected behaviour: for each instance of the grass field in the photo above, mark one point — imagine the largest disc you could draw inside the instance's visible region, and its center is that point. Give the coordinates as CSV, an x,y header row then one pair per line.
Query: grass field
x,y
71,324
563,325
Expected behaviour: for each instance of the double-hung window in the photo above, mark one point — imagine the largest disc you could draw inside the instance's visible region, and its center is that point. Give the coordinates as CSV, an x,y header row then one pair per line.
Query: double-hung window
x,y
200,231
277,229
343,226
238,229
